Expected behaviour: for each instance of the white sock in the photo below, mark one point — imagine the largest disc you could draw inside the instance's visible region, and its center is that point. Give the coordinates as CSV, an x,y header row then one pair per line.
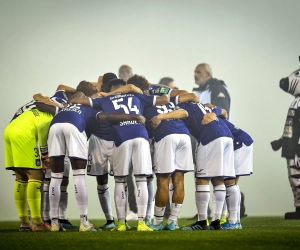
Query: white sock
x,y
174,213
238,216
120,200
232,197
104,199
46,203
218,201
171,191
54,193
202,196
224,210
126,195
150,205
81,195
63,203
141,197
158,215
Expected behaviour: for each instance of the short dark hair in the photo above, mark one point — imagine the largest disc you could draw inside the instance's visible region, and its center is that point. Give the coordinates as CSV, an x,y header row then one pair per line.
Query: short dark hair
x,y
87,88
166,81
106,78
140,82
115,82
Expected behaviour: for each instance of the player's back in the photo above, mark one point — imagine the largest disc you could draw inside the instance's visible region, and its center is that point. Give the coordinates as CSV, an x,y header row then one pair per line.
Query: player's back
x,y
128,104
166,127
83,117
59,97
104,131
204,133
239,135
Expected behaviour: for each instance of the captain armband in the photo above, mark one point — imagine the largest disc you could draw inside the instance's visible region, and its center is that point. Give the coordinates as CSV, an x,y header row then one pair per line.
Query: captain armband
x,y
44,151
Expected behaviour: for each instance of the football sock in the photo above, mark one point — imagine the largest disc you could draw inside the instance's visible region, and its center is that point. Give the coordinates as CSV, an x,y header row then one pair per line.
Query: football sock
x,y
158,215
232,197
46,203
171,191
202,196
238,219
175,210
54,194
34,199
141,197
224,210
219,195
81,195
84,220
20,197
28,210
150,206
104,199
126,195
120,199
63,203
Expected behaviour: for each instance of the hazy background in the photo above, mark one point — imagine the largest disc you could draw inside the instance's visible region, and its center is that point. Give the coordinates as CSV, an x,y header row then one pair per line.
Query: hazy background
x,y
250,45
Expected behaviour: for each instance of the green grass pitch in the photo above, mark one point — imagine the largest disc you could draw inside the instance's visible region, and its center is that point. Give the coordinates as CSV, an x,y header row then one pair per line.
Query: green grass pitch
x,y
257,233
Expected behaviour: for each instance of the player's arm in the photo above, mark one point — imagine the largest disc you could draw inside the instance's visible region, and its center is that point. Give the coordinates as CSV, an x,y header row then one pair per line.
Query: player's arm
x,y
176,92
46,108
171,92
187,97
45,99
162,100
218,111
175,114
128,88
42,132
119,117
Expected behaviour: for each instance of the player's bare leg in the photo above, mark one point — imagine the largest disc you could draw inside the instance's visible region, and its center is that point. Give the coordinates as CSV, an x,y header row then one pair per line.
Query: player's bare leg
x,y
177,199
161,199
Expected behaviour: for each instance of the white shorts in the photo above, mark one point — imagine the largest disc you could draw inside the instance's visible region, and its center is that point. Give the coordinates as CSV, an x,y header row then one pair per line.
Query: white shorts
x,y
135,152
67,165
65,139
100,153
215,159
243,160
173,153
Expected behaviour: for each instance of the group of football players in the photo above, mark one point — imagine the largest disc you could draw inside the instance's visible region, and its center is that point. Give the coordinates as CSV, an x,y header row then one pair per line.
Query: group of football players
x,y
110,126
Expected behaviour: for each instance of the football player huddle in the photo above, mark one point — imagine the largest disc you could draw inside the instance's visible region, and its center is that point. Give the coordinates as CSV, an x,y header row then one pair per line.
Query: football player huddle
x,y
110,127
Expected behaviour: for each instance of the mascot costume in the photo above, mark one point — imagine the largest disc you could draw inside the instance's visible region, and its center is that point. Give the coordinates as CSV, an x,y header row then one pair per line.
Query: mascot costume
x,y
290,140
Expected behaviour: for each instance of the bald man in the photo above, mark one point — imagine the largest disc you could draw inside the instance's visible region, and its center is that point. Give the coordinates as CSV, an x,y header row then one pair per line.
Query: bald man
x,y
210,90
